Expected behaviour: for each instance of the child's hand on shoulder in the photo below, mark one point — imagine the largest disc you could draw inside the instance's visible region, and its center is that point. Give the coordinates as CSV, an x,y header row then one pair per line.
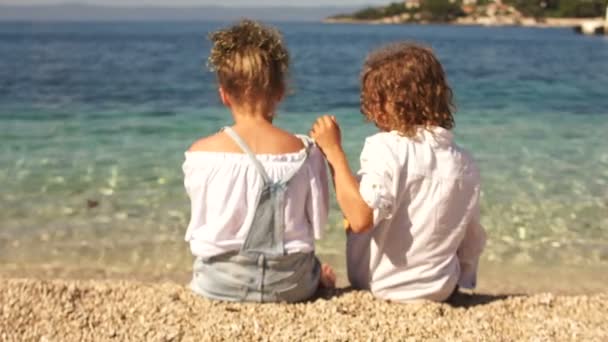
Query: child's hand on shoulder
x,y
327,135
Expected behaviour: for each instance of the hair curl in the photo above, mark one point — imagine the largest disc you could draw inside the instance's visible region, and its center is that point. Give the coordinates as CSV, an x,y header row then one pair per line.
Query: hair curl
x,y
403,87
250,61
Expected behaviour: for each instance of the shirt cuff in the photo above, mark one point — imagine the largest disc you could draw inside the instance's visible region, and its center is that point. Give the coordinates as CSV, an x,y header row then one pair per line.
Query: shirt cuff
x,y
378,198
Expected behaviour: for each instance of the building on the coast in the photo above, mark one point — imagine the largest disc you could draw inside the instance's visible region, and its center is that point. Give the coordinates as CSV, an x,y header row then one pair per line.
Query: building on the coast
x,y
409,4
606,22
469,6
594,26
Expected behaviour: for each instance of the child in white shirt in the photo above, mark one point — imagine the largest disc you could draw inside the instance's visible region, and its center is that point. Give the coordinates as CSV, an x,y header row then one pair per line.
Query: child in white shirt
x,y
413,213
259,195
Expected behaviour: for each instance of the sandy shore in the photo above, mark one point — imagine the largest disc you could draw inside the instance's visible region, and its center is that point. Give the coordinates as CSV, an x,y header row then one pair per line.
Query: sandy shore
x,y
97,310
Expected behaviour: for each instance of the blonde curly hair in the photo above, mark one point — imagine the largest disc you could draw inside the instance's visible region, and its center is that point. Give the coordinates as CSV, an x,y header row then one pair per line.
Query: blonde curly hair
x,y
251,62
404,87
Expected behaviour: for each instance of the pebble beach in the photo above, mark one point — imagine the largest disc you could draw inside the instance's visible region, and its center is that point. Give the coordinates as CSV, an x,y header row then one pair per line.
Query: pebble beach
x,y
102,310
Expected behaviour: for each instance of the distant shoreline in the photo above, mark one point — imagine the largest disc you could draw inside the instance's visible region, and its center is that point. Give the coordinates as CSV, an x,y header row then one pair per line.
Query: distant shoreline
x,y
525,22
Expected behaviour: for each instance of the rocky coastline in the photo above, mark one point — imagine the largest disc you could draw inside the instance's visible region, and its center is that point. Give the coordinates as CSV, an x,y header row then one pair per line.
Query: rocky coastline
x,y
494,14
474,21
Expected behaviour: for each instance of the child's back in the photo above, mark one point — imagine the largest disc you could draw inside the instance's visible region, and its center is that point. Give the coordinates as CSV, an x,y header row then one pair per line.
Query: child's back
x,y
224,184
428,202
414,211
259,195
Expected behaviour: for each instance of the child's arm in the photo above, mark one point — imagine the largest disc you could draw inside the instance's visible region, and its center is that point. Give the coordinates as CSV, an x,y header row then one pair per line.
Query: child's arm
x,y
317,204
326,133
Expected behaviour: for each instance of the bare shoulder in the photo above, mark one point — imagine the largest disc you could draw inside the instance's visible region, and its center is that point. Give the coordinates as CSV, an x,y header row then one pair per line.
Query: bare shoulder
x,y
289,141
272,141
213,143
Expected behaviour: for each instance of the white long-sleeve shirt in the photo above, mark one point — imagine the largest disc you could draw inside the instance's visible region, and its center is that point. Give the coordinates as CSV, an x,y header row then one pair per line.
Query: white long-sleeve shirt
x,y
223,189
427,237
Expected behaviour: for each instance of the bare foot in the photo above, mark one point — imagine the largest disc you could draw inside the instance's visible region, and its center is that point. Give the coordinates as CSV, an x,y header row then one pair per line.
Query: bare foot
x,y
328,277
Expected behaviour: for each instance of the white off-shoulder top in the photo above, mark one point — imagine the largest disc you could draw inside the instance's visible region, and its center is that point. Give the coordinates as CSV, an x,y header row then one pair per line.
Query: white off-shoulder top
x,y
223,188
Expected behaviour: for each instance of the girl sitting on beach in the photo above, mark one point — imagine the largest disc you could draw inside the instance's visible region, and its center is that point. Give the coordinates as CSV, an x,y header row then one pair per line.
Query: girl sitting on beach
x,y
259,195
413,214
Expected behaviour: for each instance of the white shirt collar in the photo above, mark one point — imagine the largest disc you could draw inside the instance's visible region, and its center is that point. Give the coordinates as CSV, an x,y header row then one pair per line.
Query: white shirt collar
x,y
436,136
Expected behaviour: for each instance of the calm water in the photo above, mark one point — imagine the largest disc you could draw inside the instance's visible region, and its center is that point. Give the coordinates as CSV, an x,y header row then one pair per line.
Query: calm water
x,y
94,119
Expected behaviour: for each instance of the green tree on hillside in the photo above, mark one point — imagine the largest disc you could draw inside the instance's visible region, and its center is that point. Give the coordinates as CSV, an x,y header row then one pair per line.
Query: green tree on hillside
x,y
440,10
560,8
395,8
581,8
369,13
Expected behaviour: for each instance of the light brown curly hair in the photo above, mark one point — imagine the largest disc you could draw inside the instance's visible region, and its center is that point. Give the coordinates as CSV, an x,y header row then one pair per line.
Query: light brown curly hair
x,y
251,63
403,87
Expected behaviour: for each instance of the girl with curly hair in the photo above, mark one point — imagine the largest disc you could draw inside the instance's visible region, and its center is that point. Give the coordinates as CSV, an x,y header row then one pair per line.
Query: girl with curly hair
x,y
413,213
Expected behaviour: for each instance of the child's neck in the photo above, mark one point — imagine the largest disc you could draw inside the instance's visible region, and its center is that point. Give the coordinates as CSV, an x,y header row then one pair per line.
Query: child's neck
x,y
247,117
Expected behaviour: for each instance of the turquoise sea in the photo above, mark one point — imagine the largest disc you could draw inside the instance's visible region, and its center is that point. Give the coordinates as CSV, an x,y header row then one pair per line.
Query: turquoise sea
x,y
94,120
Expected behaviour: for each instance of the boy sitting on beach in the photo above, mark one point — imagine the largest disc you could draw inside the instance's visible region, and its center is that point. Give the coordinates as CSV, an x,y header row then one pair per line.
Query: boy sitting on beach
x,y
414,230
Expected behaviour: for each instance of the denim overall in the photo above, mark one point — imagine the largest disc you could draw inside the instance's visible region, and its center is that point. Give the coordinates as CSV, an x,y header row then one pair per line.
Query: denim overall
x,y
261,271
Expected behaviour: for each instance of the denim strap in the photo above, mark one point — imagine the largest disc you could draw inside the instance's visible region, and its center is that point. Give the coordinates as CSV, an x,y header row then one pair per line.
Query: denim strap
x,y
239,141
